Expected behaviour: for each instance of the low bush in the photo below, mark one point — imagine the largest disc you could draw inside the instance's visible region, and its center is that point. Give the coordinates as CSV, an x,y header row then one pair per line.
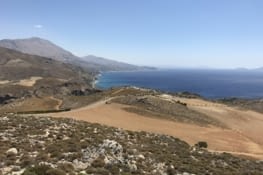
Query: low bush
x,y
201,144
43,170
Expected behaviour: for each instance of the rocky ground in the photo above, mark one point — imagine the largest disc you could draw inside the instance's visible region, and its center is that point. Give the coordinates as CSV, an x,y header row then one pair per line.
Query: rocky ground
x,y
43,145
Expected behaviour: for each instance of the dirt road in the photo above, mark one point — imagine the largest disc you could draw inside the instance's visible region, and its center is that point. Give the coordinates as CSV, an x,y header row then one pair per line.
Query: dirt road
x,y
243,138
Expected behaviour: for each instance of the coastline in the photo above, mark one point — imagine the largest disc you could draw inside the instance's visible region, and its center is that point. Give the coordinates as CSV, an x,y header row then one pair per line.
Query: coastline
x,y
173,81
95,80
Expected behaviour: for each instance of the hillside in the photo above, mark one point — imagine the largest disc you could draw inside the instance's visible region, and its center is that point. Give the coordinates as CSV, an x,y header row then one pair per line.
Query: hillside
x,y
224,128
40,47
16,65
23,75
45,48
48,146
105,64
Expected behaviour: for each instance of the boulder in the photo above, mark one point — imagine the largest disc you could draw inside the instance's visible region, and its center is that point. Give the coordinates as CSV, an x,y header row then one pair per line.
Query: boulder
x,y
12,151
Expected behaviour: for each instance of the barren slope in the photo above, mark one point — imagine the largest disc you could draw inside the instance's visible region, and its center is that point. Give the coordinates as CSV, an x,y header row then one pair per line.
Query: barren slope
x,y
242,138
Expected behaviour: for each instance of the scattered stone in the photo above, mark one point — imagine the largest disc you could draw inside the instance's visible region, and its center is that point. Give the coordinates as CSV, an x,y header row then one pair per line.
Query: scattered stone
x,y
77,147
78,165
140,156
132,166
12,151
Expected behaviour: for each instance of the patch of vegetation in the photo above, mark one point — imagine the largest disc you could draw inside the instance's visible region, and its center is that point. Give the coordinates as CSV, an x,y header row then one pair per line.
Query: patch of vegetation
x,y
6,98
186,94
244,104
157,107
201,144
52,146
43,170
43,112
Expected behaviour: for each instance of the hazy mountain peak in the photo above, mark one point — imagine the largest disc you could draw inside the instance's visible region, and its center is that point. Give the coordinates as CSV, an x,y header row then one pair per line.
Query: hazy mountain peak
x,y
31,39
39,40
45,48
37,46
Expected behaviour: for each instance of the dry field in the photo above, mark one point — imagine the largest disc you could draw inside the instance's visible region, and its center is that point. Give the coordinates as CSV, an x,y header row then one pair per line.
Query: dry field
x,y
242,138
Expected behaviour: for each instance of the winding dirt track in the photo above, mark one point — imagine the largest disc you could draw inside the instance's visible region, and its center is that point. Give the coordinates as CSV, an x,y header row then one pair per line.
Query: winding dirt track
x,y
244,137
59,102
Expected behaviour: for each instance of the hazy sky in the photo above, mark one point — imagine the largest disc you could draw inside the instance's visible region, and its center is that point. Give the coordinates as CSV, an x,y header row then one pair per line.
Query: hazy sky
x,y
173,33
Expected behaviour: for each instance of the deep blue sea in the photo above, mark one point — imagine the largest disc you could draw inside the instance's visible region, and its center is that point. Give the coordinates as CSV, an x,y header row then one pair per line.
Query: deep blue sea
x,y
208,83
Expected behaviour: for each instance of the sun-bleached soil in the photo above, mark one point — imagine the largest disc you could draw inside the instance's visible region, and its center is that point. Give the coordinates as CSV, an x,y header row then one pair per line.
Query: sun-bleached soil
x,y
242,138
23,82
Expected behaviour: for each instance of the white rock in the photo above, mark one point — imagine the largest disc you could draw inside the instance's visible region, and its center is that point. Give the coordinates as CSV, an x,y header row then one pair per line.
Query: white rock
x,y
4,118
48,164
113,145
141,156
79,165
106,160
185,173
18,172
4,138
6,170
83,172
65,137
12,150
132,167
47,133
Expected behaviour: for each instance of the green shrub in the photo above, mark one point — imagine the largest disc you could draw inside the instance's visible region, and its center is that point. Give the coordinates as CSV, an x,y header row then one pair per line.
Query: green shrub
x,y
43,170
201,144
99,162
26,160
67,167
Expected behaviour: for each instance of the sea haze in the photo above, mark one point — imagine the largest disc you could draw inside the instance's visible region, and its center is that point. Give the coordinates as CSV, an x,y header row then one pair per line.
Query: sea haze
x,y
208,83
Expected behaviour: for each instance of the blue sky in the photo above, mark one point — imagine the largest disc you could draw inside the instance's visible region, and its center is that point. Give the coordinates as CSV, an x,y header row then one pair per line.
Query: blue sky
x,y
168,33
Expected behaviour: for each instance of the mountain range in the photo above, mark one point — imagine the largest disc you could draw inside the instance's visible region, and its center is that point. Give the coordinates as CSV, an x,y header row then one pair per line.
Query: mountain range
x,y
45,48
26,75
15,65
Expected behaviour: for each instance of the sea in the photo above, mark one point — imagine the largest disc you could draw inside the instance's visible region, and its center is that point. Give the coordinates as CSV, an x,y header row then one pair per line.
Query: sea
x,y
212,84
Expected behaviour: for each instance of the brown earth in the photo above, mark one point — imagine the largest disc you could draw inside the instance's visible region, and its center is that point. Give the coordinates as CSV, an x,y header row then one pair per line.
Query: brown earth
x,y
32,104
243,137
28,82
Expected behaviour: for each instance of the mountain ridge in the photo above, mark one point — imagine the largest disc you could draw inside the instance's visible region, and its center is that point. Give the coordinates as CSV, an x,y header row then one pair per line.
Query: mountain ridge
x,y
34,44
113,65
42,47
